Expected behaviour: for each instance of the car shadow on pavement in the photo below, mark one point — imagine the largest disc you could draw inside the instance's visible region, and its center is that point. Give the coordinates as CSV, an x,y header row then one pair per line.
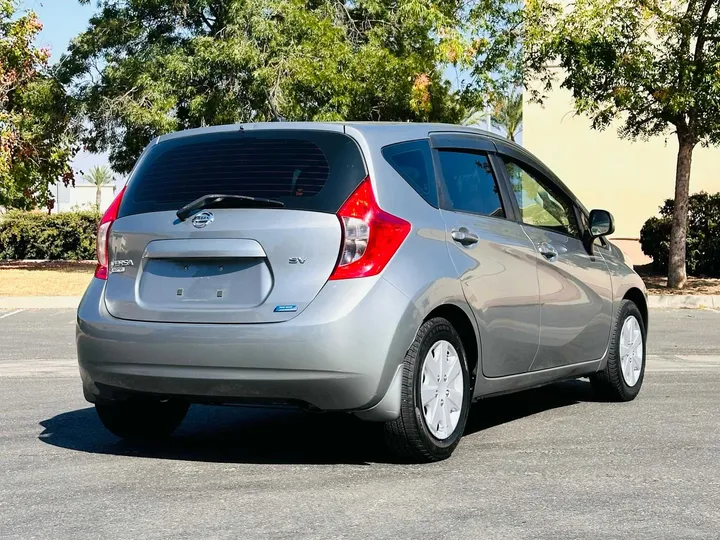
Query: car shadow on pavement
x,y
269,435
491,412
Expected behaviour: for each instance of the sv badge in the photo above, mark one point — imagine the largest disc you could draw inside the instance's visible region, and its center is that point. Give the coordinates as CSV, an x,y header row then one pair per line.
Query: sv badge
x,y
297,260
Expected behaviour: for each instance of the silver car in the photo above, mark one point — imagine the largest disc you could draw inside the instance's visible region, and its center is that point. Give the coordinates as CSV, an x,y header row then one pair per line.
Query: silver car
x,y
397,272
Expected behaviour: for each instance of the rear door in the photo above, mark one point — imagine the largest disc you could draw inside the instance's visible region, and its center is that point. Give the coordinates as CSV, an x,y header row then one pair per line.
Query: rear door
x,y
494,258
230,264
575,287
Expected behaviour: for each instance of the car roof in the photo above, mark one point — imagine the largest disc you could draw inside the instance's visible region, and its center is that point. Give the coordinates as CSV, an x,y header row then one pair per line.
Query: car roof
x,y
391,131
398,130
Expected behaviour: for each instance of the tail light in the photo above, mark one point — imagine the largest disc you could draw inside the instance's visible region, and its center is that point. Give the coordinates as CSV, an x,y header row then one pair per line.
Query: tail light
x,y
103,235
371,236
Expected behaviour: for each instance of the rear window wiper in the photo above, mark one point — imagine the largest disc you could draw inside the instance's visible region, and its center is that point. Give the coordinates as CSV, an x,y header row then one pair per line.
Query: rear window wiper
x,y
228,201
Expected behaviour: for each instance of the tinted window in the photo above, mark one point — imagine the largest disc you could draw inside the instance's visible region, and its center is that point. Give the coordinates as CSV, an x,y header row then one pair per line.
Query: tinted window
x,y
304,169
413,161
470,184
541,204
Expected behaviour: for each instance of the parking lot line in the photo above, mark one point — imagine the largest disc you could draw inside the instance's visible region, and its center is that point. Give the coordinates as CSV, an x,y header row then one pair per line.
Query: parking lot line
x,y
5,315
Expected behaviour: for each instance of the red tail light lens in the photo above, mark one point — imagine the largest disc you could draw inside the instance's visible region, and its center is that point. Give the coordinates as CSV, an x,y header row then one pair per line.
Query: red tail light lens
x,y
103,235
371,236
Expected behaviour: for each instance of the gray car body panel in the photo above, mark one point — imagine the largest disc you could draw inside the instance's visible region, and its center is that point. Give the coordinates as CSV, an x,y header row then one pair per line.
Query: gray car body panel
x,y
576,302
339,354
344,347
509,322
168,284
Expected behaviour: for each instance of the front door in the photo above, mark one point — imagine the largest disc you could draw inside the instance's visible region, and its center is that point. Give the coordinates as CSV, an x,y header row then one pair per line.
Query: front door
x,y
494,259
575,287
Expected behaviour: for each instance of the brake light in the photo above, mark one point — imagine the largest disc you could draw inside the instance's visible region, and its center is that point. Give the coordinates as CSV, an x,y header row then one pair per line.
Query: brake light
x,y
371,236
103,236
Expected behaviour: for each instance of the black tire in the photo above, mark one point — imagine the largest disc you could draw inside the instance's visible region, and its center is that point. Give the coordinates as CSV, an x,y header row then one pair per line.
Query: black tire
x,y
142,419
408,436
609,383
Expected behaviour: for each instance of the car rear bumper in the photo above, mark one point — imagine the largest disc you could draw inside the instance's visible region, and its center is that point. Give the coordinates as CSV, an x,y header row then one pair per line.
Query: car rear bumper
x,y
341,353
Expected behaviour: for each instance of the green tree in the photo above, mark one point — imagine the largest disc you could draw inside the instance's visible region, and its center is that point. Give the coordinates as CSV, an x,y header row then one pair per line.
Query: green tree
x,y
36,127
99,176
147,67
508,113
491,53
653,65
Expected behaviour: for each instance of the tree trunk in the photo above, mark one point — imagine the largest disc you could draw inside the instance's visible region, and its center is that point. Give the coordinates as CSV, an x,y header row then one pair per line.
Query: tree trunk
x,y
677,275
98,197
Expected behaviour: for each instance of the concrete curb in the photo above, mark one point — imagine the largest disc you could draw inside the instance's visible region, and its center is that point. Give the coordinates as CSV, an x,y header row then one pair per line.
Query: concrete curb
x,y
686,301
39,302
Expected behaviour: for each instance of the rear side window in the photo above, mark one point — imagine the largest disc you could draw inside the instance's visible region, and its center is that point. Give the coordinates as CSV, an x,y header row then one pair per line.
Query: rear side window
x,y
413,161
470,183
306,170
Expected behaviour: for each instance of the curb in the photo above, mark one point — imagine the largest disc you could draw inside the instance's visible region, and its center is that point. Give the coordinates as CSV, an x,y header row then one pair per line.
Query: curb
x,y
685,301
39,302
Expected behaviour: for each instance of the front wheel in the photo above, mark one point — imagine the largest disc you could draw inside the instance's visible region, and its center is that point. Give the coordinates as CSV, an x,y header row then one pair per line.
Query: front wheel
x,y
142,419
625,369
435,396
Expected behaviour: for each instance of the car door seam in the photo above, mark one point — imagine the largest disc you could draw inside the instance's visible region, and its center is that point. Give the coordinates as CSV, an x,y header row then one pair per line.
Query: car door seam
x,y
540,305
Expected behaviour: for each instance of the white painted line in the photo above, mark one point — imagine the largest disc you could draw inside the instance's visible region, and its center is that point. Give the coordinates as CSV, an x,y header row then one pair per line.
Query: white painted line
x,y
686,362
39,302
65,367
4,315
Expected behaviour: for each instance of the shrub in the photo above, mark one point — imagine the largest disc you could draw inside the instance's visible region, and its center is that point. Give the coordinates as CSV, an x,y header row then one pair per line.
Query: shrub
x,y
34,235
703,235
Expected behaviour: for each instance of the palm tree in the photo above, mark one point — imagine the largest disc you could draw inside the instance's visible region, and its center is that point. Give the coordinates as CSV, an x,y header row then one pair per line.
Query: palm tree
x,y
99,176
474,117
507,115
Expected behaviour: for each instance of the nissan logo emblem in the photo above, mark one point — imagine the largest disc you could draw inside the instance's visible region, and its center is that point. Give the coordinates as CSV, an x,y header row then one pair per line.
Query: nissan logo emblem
x,y
202,219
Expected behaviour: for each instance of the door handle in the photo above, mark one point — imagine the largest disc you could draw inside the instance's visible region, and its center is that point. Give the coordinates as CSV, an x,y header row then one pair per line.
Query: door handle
x,y
548,251
464,236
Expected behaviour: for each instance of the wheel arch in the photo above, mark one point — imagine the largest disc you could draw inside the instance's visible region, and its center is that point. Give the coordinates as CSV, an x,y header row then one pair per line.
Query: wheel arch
x,y
636,296
464,326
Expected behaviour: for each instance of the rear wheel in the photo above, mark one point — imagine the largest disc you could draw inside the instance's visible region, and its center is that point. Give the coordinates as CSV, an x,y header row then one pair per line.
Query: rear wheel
x,y
435,396
142,419
625,369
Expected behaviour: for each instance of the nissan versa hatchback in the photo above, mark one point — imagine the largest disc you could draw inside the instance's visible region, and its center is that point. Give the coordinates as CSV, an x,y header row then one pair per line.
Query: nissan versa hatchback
x,y
397,272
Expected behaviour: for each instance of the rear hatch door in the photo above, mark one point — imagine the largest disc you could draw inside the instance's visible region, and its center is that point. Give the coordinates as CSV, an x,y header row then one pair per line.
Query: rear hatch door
x,y
228,263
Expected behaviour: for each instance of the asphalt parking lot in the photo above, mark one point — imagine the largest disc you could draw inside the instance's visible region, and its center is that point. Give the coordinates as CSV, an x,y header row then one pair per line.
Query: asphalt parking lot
x,y
548,463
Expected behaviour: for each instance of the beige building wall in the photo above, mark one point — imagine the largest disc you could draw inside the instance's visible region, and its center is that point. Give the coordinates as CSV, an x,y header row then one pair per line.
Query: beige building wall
x,y
631,180
82,196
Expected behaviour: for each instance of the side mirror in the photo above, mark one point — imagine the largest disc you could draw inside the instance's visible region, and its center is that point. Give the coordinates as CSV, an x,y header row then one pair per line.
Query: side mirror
x,y
601,223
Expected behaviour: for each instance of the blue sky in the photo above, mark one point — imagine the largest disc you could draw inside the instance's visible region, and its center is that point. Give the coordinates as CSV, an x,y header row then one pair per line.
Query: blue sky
x,y
62,20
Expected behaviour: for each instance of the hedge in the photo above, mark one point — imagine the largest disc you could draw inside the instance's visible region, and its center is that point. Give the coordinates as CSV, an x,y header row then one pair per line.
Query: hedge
x,y
34,235
703,237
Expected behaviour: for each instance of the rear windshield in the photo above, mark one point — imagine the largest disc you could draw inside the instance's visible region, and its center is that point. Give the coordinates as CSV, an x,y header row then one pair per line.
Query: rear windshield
x,y
306,170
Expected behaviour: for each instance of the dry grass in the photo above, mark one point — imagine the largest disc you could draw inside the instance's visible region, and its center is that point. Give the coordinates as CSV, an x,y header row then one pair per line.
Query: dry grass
x,y
46,278
657,284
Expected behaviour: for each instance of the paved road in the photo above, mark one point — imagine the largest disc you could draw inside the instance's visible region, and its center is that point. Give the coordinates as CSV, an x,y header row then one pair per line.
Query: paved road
x,y
549,463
